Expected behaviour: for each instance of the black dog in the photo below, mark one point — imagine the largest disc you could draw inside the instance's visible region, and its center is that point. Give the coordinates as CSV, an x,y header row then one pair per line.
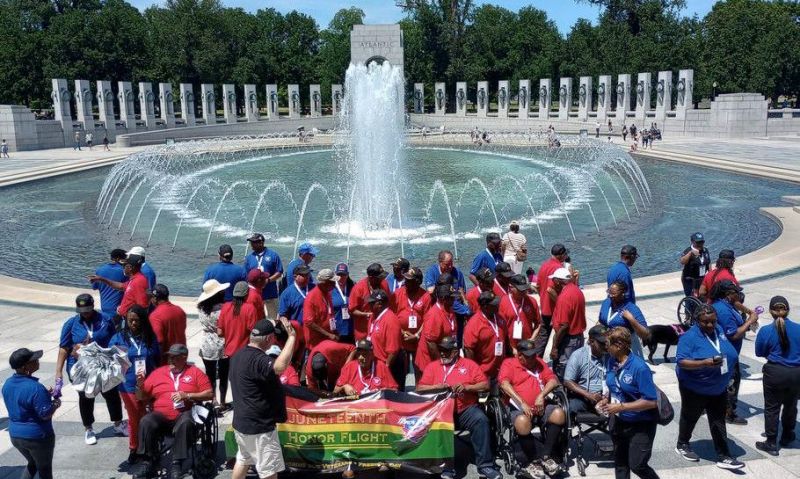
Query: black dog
x,y
661,334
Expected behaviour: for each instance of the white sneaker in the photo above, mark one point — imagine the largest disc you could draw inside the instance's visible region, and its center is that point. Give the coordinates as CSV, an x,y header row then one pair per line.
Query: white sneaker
x,y
121,428
90,438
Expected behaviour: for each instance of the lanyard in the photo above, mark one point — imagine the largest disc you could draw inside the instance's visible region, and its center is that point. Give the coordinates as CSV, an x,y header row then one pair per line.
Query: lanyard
x,y
342,294
369,379
176,381
449,370
412,304
514,307
375,321
396,284
137,346
301,293
714,343
492,256
89,330
493,324
536,376
258,261
499,285
450,318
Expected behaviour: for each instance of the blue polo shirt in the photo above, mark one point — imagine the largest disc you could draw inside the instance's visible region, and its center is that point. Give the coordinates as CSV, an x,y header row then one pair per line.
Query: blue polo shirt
x,y
291,302
137,349
269,262
768,344
343,326
694,344
612,317
729,320
28,402
394,283
487,260
109,297
432,275
288,278
99,330
621,272
629,382
148,273
225,272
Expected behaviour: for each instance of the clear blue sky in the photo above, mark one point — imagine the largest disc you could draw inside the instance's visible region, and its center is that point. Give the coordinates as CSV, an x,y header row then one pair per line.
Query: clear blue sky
x,y
563,12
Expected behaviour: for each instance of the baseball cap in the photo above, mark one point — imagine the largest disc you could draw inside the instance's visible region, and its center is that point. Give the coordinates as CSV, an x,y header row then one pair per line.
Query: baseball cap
x,y
274,351
558,249
375,270
302,269
325,275
503,269
226,251
446,291
341,269
241,289
414,274
448,343
84,303
161,292
255,237
598,332
307,248
364,345
727,286
263,327
514,223
520,282
776,300
255,275
488,298
137,250
401,263
178,350
561,273
629,250
526,347
378,295
698,237
484,275
727,254
21,356
134,260
319,361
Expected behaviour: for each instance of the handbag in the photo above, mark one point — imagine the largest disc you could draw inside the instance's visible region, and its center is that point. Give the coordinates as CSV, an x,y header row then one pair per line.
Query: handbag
x,y
521,254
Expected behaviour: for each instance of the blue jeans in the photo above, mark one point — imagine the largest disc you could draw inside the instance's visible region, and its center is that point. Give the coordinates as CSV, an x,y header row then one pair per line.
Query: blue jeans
x,y
474,420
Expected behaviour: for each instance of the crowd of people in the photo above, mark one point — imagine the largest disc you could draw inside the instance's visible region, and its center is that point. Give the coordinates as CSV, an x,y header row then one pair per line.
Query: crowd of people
x,y
263,324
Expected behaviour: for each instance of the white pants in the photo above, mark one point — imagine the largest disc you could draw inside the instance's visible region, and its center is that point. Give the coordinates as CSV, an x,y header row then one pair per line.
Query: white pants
x,y
516,266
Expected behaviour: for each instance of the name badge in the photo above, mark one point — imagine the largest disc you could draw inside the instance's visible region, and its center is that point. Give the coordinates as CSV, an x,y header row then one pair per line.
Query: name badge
x,y
345,313
498,348
412,321
723,369
332,322
140,367
178,405
517,332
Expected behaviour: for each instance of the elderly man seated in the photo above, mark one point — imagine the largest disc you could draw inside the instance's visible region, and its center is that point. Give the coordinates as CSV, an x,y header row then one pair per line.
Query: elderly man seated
x,y
173,390
585,373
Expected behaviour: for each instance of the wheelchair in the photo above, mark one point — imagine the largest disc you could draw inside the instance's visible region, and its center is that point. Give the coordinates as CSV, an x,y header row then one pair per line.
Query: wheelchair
x,y
582,426
686,308
203,453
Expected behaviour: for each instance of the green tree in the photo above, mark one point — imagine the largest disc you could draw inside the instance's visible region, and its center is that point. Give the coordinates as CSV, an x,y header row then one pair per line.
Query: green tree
x,y
334,50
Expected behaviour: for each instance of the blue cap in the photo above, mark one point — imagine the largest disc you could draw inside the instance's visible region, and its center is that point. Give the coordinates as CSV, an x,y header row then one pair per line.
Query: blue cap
x,y
341,268
307,248
698,237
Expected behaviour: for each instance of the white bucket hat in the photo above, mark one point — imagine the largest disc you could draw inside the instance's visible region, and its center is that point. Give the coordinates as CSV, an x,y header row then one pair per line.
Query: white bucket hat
x,y
210,288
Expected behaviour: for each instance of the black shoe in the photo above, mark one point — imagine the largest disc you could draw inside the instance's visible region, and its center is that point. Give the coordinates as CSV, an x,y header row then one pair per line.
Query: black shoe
x,y
133,458
727,462
786,440
177,471
145,470
685,451
767,446
736,420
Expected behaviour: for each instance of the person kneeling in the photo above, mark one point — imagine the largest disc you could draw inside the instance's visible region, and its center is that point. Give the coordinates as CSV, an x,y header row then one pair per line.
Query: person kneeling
x,y
465,379
526,381
173,390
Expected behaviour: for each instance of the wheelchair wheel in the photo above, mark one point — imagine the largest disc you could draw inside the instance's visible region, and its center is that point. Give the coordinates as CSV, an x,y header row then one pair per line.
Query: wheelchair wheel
x,y
686,309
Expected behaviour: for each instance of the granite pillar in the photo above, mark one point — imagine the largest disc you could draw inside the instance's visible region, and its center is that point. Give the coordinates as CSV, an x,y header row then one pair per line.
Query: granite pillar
x,y
105,106
684,88
295,106
167,104
229,103
564,98
273,102
419,98
545,95
187,104
623,95
524,99
251,103
603,96
209,103
147,105
127,113
643,95
440,98
62,108
503,98
461,98
83,104
663,95
316,101
482,99
336,99
584,98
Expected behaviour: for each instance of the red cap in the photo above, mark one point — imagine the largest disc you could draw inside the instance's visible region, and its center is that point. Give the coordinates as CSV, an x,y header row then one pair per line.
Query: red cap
x,y
256,275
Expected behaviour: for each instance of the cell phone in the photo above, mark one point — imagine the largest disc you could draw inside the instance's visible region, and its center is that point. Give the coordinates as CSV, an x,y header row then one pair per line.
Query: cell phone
x,y
717,359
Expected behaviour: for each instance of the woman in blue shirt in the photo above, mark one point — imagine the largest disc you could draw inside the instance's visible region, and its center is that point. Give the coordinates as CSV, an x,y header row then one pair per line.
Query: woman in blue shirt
x,y
344,324
30,411
706,360
632,400
779,343
139,340
617,310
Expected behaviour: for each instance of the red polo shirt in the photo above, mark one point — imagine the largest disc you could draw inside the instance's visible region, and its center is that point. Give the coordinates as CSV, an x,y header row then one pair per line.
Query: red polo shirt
x,y
377,378
318,309
472,295
169,324
290,377
548,267
437,324
384,332
715,276
462,371
527,383
570,309
358,301
236,329
481,337
160,385
405,307
526,312
254,298
335,353
135,293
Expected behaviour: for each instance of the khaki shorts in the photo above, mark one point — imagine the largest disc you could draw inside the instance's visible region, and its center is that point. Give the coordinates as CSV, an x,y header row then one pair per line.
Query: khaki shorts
x,y
262,450
272,308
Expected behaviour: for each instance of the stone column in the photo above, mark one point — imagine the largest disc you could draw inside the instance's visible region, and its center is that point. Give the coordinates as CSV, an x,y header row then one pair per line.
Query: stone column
x,y
251,102
105,105
127,114
461,98
603,96
584,98
295,106
419,98
229,102
643,102
503,98
209,106
623,95
684,91
545,95
187,104
147,105
316,101
663,95
336,99
440,98
564,98
63,108
167,104
482,99
524,99
272,102
83,103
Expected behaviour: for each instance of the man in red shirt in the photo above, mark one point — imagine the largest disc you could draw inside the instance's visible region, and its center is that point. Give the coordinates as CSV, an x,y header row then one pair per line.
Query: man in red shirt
x,y
485,335
546,295
364,374
439,322
526,381
236,320
464,378
325,362
383,329
319,320
569,319
358,302
410,302
289,376
503,274
486,282
168,321
520,312
172,390
134,290
256,280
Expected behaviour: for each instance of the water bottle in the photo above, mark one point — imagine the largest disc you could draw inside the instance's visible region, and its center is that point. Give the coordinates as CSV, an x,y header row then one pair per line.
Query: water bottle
x,y
758,310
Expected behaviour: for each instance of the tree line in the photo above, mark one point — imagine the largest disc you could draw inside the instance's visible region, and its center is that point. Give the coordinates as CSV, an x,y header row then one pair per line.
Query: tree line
x,y
742,45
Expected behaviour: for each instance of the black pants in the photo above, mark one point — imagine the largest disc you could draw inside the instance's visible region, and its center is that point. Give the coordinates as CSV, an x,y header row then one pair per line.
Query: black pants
x,y
155,425
540,343
38,453
399,367
693,405
781,390
689,285
86,407
633,446
733,389
212,368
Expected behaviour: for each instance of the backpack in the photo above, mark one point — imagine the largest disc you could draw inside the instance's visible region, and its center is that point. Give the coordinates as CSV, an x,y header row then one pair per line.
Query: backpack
x,y
666,413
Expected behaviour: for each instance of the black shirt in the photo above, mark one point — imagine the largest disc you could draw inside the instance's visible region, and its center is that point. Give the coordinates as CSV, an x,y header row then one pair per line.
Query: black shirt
x,y
694,268
258,398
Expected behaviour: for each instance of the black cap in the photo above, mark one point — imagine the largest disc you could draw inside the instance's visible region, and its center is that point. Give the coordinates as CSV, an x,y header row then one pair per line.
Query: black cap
x,y
558,249
378,295
255,237
302,269
598,332
698,237
263,327
84,303
727,286
776,300
727,254
503,269
375,270
22,356
319,361
364,345
134,260
484,275
414,274
161,292
448,343
226,251
628,250
178,350
488,298
526,347
446,291
401,263
520,282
